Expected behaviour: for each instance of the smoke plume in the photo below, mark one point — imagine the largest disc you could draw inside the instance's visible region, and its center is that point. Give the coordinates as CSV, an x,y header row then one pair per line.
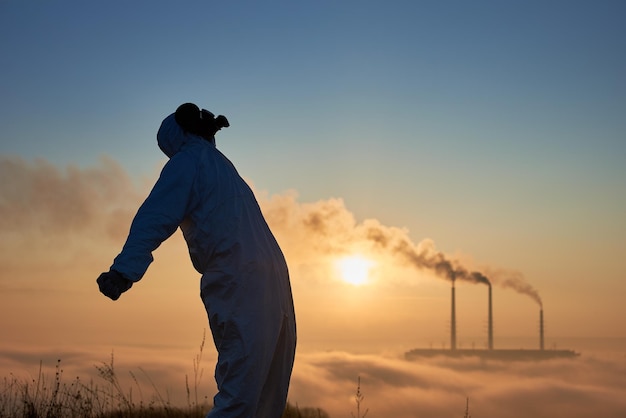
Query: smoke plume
x,y
328,227
515,280
39,198
424,256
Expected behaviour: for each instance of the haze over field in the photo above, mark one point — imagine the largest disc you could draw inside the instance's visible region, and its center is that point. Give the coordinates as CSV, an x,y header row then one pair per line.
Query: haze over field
x,y
393,147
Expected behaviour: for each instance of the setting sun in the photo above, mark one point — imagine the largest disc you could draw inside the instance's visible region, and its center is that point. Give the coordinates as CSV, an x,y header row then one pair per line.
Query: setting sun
x,y
354,269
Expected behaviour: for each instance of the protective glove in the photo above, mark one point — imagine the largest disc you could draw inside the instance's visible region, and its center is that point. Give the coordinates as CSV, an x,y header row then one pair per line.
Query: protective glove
x,y
112,284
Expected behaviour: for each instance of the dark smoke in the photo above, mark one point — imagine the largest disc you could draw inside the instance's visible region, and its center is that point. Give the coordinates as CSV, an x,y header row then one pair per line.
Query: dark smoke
x,y
426,258
517,282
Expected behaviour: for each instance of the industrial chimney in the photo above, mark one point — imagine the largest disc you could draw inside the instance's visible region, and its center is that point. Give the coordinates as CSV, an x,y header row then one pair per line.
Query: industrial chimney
x,y
541,329
490,323
453,322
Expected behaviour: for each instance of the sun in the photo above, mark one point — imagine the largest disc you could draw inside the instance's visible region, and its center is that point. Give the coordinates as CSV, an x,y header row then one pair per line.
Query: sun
x,y
354,269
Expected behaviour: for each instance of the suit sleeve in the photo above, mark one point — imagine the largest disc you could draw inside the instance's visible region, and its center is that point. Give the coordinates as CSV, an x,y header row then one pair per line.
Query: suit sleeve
x,y
158,217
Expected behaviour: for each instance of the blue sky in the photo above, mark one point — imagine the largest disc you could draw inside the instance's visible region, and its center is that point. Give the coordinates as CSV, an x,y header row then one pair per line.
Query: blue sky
x,y
496,128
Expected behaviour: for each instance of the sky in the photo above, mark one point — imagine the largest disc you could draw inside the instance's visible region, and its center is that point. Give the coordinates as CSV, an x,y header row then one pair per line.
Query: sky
x,y
489,133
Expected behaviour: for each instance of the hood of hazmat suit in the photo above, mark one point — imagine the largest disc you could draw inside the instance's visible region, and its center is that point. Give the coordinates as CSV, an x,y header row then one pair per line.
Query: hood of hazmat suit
x,y
245,282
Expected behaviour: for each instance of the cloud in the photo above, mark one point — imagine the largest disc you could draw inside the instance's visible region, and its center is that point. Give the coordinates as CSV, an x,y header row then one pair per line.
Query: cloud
x,y
40,197
391,386
439,387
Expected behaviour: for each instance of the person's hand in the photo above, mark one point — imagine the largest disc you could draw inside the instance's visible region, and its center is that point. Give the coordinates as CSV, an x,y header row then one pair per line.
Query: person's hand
x,y
112,284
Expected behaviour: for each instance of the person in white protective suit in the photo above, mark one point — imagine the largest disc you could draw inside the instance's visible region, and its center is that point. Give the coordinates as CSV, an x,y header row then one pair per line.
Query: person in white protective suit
x,y
245,282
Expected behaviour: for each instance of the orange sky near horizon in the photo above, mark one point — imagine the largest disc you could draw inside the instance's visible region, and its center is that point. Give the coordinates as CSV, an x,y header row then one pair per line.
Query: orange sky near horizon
x,y
61,227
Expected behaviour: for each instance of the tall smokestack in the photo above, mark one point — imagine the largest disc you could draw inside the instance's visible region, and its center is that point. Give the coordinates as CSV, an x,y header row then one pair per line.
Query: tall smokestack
x,y
453,321
490,323
541,329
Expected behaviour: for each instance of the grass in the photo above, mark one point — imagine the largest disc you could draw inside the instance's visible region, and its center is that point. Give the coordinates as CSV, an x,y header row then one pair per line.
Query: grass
x,y
358,399
45,397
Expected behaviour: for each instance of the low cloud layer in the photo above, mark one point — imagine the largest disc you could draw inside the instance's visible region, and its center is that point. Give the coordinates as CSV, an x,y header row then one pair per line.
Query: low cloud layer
x,y
392,386
440,387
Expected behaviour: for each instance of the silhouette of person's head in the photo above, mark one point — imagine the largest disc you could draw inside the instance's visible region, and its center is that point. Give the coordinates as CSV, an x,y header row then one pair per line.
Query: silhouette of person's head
x,y
199,122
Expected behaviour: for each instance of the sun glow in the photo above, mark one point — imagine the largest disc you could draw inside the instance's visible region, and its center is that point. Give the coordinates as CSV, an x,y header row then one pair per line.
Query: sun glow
x,y
354,269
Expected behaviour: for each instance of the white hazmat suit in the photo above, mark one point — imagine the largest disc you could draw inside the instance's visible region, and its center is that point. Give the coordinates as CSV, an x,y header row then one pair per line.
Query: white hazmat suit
x,y
245,282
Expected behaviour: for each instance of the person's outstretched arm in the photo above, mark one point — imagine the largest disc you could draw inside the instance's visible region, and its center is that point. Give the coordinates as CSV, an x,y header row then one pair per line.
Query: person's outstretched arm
x,y
156,220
